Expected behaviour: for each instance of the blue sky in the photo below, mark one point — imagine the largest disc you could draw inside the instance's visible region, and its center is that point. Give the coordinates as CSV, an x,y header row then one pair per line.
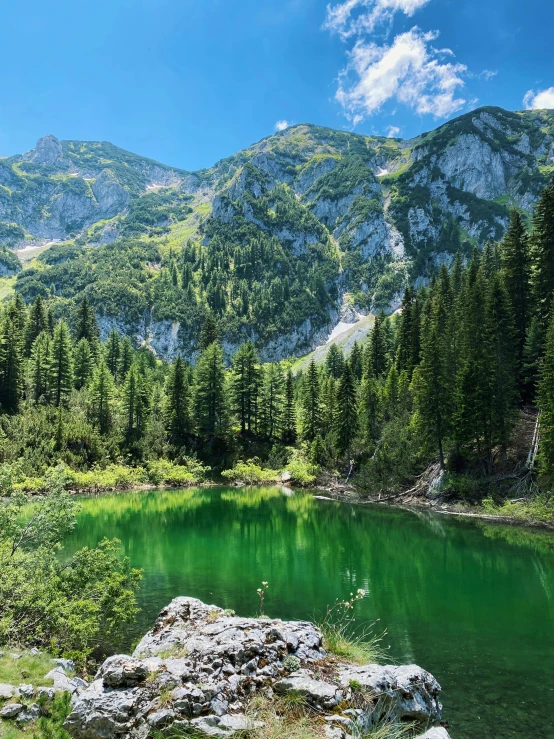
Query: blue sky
x,y
188,82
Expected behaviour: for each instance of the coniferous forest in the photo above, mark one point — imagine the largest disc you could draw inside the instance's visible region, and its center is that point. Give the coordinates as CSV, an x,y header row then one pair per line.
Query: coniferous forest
x,y
465,366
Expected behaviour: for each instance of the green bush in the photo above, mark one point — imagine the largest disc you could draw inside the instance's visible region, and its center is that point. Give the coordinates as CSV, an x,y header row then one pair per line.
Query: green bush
x,y
250,473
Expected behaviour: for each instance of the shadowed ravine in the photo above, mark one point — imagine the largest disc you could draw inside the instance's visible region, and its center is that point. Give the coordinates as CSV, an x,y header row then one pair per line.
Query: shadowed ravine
x,y
471,602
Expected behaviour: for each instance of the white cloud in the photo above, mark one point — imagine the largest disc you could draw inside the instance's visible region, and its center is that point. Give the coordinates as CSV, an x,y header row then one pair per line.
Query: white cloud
x,y
410,71
538,100
281,125
355,17
392,132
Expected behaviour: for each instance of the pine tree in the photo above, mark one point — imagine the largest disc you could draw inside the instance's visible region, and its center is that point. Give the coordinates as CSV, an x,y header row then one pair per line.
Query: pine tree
x,y
346,419
101,397
113,352
245,386
543,254
60,369
310,404
210,392
289,411
36,324
177,412
83,364
517,270
546,406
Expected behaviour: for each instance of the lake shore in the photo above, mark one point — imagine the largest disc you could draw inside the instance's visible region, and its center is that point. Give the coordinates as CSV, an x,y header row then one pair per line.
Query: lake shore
x,y
348,494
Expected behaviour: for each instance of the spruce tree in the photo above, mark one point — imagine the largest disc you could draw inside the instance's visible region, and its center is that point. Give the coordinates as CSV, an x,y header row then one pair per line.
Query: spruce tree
x,y
532,352
502,339
433,389
272,401
60,368
517,271
543,254
86,326
328,398
289,411
404,353
36,324
101,397
210,399
378,347
369,407
310,404
83,364
209,333
346,419
113,352
356,362
334,362
245,386
136,400
125,359
11,363
39,367
177,411
546,407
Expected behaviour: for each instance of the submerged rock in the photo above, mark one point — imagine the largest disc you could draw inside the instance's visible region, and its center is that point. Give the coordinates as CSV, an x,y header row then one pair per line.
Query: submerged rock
x,y
198,667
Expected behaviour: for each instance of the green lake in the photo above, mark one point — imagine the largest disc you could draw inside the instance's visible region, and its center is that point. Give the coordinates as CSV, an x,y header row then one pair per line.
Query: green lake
x,y
471,602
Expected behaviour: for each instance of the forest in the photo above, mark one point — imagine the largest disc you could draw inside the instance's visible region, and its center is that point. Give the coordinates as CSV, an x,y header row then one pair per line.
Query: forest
x,y
445,381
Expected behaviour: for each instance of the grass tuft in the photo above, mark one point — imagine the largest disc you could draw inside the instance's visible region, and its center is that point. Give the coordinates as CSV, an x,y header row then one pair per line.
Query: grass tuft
x,y
28,668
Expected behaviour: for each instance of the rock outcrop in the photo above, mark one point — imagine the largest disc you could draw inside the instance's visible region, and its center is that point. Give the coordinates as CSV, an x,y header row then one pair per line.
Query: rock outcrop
x,y
197,669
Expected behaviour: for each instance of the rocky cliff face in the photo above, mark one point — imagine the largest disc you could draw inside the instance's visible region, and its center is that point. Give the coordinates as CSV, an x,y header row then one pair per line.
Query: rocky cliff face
x,y
59,189
199,668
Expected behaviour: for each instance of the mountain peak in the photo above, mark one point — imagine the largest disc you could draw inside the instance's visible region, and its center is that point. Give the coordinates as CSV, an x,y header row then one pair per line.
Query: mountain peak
x,y
47,151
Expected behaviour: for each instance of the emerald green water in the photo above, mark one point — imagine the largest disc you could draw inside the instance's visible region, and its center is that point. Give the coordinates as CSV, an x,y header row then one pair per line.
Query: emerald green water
x,y
471,602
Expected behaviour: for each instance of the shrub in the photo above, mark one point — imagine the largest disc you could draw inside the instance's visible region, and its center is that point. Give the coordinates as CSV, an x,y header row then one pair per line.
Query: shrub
x,y
250,473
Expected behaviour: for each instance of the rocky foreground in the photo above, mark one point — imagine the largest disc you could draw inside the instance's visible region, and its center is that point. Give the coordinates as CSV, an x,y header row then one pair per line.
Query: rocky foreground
x,y
199,667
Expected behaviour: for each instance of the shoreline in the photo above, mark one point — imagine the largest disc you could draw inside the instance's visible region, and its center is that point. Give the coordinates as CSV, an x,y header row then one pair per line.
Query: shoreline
x,y
339,493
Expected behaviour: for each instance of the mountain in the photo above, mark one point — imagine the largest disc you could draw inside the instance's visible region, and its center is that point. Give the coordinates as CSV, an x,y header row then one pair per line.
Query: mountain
x,y
280,240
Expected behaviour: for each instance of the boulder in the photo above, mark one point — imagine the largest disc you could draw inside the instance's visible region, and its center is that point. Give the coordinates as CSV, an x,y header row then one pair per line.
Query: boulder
x,y
7,691
27,691
30,713
207,663
11,710
316,692
122,671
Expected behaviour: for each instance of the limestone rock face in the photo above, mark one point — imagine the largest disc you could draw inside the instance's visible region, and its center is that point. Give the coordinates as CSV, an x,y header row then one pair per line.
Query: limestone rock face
x,y
47,151
199,665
